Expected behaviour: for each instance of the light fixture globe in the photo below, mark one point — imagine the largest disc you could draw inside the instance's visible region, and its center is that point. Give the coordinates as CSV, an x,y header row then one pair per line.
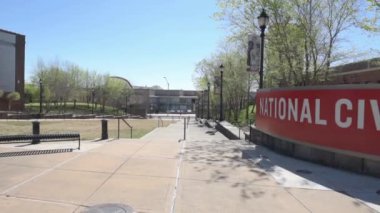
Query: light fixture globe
x,y
263,19
221,67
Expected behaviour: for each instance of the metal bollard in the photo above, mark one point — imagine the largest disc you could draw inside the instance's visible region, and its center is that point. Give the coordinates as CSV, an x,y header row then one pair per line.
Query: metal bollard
x,y
104,129
36,131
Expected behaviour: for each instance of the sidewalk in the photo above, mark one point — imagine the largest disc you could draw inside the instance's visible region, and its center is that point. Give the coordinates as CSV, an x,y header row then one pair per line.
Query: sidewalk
x,y
161,173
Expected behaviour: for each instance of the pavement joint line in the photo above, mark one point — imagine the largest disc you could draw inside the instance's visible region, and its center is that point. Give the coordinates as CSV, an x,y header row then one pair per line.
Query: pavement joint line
x,y
41,200
148,176
157,156
84,171
42,173
19,165
152,157
208,181
183,145
112,174
300,202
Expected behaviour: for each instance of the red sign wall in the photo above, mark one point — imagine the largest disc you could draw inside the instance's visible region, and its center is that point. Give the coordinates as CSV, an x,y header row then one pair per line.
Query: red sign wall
x,y
345,119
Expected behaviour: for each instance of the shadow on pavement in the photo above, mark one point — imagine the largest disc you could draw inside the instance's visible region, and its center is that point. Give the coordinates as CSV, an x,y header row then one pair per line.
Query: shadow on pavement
x,y
292,172
34,152
221,161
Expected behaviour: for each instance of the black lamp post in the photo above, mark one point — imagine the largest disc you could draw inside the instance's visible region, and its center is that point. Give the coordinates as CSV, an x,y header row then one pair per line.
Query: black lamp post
x,y
208,100
263,20
93,99
198,115
167,82
202,103
126,103
41,96
221,116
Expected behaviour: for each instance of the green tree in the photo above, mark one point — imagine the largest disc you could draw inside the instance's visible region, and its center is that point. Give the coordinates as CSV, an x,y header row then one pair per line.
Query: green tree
x,y
64,81
12,96
32,92
236,81
117,90
303,35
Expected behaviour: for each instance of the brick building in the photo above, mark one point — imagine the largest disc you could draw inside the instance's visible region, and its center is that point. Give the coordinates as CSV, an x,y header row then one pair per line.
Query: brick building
x,y
362,72
12,67
148,100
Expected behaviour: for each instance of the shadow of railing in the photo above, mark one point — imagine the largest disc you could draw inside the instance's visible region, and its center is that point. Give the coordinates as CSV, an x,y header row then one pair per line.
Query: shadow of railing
x,y
34,152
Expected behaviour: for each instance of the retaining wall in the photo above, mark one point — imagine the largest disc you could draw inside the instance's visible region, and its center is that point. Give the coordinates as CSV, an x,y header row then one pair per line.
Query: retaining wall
x,y
319,155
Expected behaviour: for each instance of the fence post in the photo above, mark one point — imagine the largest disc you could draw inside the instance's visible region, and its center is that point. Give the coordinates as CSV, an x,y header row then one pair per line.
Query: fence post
x,y
104,129
36,131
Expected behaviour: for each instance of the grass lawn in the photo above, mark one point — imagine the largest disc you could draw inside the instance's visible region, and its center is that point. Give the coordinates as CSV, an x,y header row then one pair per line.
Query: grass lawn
x,y
88,129
251,115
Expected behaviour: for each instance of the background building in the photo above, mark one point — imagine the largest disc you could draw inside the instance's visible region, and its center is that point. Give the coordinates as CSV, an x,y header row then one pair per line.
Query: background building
x,y
362,72
12,67
148,100
172,101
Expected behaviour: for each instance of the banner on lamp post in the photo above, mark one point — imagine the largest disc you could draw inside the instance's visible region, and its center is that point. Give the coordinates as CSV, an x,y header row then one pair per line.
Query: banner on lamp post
x,y
253,53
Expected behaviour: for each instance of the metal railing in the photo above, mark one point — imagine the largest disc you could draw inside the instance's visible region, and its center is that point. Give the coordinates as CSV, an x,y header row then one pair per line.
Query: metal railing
x,y
118,126
160,121
186,121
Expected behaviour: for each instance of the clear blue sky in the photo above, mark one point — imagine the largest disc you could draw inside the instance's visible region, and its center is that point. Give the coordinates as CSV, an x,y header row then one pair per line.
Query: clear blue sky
x,y
140,40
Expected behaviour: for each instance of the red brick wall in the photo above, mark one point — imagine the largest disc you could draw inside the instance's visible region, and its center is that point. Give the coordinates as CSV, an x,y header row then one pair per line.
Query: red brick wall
x,y
364,77
362,72
20,76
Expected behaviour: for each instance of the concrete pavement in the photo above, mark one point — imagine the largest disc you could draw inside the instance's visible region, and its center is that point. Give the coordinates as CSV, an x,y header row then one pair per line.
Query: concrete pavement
x,y
157,173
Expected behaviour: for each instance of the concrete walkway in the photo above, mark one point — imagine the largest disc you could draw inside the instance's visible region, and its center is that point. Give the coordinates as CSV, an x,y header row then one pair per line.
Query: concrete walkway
x,y
161,173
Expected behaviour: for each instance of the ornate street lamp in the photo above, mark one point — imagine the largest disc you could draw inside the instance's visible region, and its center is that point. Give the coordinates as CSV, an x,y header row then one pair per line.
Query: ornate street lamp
x,y
41,96
208,100
221,116
93,100
167,82
263,20
198,115
126,103
202,105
